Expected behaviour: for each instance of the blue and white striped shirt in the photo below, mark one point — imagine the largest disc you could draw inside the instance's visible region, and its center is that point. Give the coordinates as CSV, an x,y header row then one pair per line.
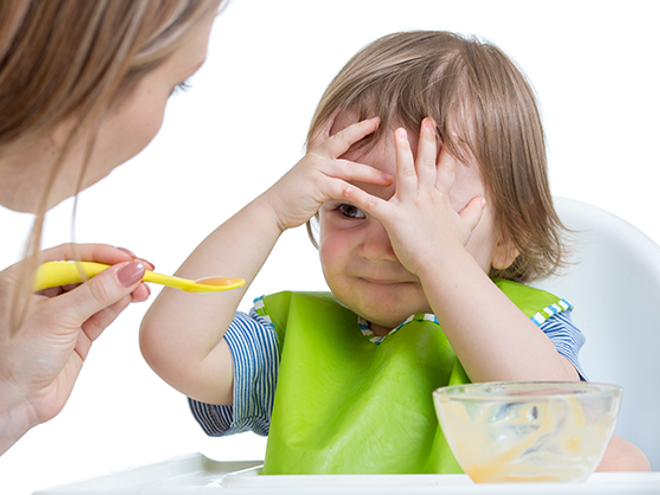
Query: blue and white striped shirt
x,y
254,347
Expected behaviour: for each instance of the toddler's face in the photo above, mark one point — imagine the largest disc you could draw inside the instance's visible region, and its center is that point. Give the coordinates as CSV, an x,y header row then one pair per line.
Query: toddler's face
x,y
358,261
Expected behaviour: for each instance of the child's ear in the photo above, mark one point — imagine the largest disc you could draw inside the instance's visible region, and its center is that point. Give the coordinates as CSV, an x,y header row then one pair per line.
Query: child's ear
x,y
505,253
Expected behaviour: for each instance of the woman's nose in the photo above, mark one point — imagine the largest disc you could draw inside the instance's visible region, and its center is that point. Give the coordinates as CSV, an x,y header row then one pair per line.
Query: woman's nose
x,y
376,245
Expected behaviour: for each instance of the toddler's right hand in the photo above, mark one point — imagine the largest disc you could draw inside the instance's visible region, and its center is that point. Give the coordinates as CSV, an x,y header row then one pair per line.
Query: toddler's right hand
x,y
321,176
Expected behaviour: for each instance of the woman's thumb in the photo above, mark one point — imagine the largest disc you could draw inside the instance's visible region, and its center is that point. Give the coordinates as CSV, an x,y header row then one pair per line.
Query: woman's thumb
x,y
105,289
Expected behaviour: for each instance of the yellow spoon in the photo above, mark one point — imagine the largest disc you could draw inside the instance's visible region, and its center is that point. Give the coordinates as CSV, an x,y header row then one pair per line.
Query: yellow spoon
x,y
56,273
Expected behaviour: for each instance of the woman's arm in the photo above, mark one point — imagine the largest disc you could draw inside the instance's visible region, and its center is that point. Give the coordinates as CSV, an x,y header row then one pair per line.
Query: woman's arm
x,y
16,416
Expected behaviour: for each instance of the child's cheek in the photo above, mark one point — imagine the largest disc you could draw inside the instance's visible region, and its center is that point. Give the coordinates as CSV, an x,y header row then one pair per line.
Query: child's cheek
x,y
328,250
333,250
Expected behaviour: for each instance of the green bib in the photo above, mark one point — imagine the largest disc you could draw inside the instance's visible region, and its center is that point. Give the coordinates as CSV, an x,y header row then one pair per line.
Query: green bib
x,y
345,404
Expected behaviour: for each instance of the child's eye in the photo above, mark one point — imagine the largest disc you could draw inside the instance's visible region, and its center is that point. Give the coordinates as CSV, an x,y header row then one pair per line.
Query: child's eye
x,y
351,211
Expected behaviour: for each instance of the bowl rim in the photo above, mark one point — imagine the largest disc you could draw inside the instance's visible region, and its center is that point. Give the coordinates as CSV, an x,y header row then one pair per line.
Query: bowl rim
x,y
591,390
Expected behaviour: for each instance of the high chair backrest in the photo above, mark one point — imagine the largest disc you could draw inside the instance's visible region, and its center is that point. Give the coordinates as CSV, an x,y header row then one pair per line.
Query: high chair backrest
x,y
614,283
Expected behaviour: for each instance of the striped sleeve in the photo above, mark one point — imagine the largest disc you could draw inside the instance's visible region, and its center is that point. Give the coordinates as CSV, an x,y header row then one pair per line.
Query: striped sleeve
x,y
566,337
254,347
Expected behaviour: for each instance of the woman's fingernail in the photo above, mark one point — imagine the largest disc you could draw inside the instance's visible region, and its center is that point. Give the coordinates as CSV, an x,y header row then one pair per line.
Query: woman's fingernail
x,y
128,252
130,274
150,266
133,255
375,120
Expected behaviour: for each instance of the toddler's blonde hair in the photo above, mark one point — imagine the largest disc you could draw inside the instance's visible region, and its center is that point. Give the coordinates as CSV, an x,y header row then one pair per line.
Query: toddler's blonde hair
x,y
483,107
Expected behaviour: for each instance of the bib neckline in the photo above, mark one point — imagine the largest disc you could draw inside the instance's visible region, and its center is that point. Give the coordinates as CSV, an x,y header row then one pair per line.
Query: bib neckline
x,y
378,339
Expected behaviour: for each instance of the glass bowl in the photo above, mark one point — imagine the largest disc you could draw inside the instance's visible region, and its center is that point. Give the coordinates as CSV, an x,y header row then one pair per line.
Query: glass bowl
x,y
528,431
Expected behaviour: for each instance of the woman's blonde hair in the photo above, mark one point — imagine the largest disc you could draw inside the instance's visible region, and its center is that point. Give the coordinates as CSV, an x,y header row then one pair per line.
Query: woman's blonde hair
x,y
73,61
483,107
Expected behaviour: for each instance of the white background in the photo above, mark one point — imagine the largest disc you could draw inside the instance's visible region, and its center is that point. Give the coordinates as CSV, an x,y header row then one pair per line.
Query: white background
x,y
594,65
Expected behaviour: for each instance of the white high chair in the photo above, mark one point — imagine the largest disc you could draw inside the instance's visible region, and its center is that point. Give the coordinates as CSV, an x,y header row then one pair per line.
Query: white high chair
x,y
614,284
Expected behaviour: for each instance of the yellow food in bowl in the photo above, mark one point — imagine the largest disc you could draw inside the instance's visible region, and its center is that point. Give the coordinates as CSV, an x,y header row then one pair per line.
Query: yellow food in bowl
x,y
528,432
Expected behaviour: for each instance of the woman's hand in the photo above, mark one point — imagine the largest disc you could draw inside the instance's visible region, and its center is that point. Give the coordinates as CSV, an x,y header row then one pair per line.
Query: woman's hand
x,y
419,218
39,363
321,176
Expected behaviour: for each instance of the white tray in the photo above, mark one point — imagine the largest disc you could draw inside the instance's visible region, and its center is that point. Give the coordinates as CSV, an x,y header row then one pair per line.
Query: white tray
x,y
195,474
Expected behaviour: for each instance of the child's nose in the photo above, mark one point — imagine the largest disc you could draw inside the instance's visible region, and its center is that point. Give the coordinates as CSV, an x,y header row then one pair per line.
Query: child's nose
x,y
376,245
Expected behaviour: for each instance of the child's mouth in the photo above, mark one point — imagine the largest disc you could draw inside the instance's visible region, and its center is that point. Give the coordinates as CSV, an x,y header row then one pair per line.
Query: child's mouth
x,y
381,281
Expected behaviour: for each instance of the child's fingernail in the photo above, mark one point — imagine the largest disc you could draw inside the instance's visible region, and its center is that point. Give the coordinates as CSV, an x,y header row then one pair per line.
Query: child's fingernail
x,y
401,133
130,274
375,120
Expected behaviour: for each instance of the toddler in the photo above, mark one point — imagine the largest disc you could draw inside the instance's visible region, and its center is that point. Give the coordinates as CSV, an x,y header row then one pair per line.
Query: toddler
x,y
426,173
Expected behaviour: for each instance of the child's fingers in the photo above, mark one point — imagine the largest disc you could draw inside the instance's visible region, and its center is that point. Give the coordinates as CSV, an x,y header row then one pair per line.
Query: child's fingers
x,y
354,171
473,211
406,176
339,143
426,156
338,187
371,205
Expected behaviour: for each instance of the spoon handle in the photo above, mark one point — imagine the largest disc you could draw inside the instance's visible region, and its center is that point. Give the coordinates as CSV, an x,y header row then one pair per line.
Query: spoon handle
x,y
56,273
167,280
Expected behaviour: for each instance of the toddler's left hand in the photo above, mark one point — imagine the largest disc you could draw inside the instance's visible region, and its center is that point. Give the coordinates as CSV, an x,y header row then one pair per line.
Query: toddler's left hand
x,y
421,223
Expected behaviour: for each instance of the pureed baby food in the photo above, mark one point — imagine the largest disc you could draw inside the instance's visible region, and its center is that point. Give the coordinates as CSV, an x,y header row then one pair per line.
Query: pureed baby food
x,y
505,432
